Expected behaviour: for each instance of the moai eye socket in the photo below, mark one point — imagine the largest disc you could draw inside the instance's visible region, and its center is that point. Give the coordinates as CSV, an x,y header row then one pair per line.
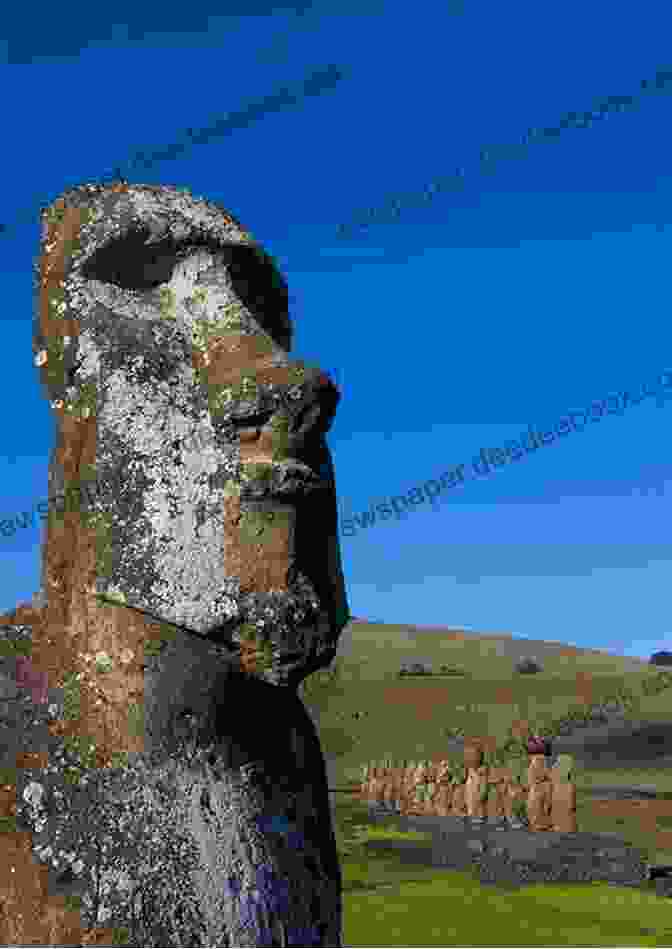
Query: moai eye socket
x,y
257,282
131,263
137,262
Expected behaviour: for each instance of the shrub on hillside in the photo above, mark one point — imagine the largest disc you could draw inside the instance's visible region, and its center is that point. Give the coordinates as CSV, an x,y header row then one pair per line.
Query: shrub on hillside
x,y
528,666
414,669
662,658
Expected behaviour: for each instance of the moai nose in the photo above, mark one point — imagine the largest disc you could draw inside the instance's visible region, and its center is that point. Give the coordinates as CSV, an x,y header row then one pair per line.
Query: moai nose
x,y
295,426
314,410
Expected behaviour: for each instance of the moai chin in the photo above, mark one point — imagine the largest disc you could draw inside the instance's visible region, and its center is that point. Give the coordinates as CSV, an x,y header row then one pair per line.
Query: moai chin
x,y
191,571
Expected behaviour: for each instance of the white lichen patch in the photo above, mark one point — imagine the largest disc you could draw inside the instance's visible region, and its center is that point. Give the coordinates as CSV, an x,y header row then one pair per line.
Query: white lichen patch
x,y
185,275
185,533
187,213
88,356
33,794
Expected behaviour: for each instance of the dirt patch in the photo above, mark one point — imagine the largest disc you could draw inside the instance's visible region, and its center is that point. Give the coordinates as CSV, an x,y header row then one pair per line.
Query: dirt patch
x,y
425,699
504,696
520,728
647,812
569,652
584,687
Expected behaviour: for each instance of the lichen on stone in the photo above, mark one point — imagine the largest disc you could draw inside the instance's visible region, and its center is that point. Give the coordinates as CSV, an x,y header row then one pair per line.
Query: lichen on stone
x,y
205,330
255,524
155,645
54,361
231,489
71,696
82,751
280,424
297,375
114,596
219,398
257,471
83,403
200,296
102,524
104,662
167,303
136,719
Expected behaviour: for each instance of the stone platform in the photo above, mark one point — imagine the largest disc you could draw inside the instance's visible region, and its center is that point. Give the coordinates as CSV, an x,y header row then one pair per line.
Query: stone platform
x,y
517,857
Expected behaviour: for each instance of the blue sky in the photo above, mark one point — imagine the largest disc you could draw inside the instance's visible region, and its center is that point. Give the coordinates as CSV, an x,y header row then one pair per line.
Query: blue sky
x,y
541,287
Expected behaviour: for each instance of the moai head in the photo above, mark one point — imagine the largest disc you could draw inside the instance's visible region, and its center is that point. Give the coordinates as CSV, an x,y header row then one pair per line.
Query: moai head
x,y
194,445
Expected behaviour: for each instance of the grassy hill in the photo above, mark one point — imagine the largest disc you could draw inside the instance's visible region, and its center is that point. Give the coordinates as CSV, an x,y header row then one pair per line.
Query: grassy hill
x,y
365,712
373,713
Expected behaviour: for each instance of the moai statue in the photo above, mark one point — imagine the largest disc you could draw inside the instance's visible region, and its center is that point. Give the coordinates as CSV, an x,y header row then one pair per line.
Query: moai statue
x,y
444,794
175,789
540,787
418,784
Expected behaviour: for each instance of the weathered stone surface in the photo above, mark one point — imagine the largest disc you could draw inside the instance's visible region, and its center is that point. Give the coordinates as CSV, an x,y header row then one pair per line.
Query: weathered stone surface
x,y
191,579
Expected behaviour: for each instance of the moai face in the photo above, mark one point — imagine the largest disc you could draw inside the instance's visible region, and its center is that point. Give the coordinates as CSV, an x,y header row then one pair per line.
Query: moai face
x,y
162,338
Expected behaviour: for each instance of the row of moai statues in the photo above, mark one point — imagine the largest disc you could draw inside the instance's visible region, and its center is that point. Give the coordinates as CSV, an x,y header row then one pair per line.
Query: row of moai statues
x,y
440,790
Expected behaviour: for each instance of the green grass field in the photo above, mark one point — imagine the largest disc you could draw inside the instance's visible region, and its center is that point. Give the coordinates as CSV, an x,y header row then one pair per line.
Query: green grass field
x,y
391,904
387,903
